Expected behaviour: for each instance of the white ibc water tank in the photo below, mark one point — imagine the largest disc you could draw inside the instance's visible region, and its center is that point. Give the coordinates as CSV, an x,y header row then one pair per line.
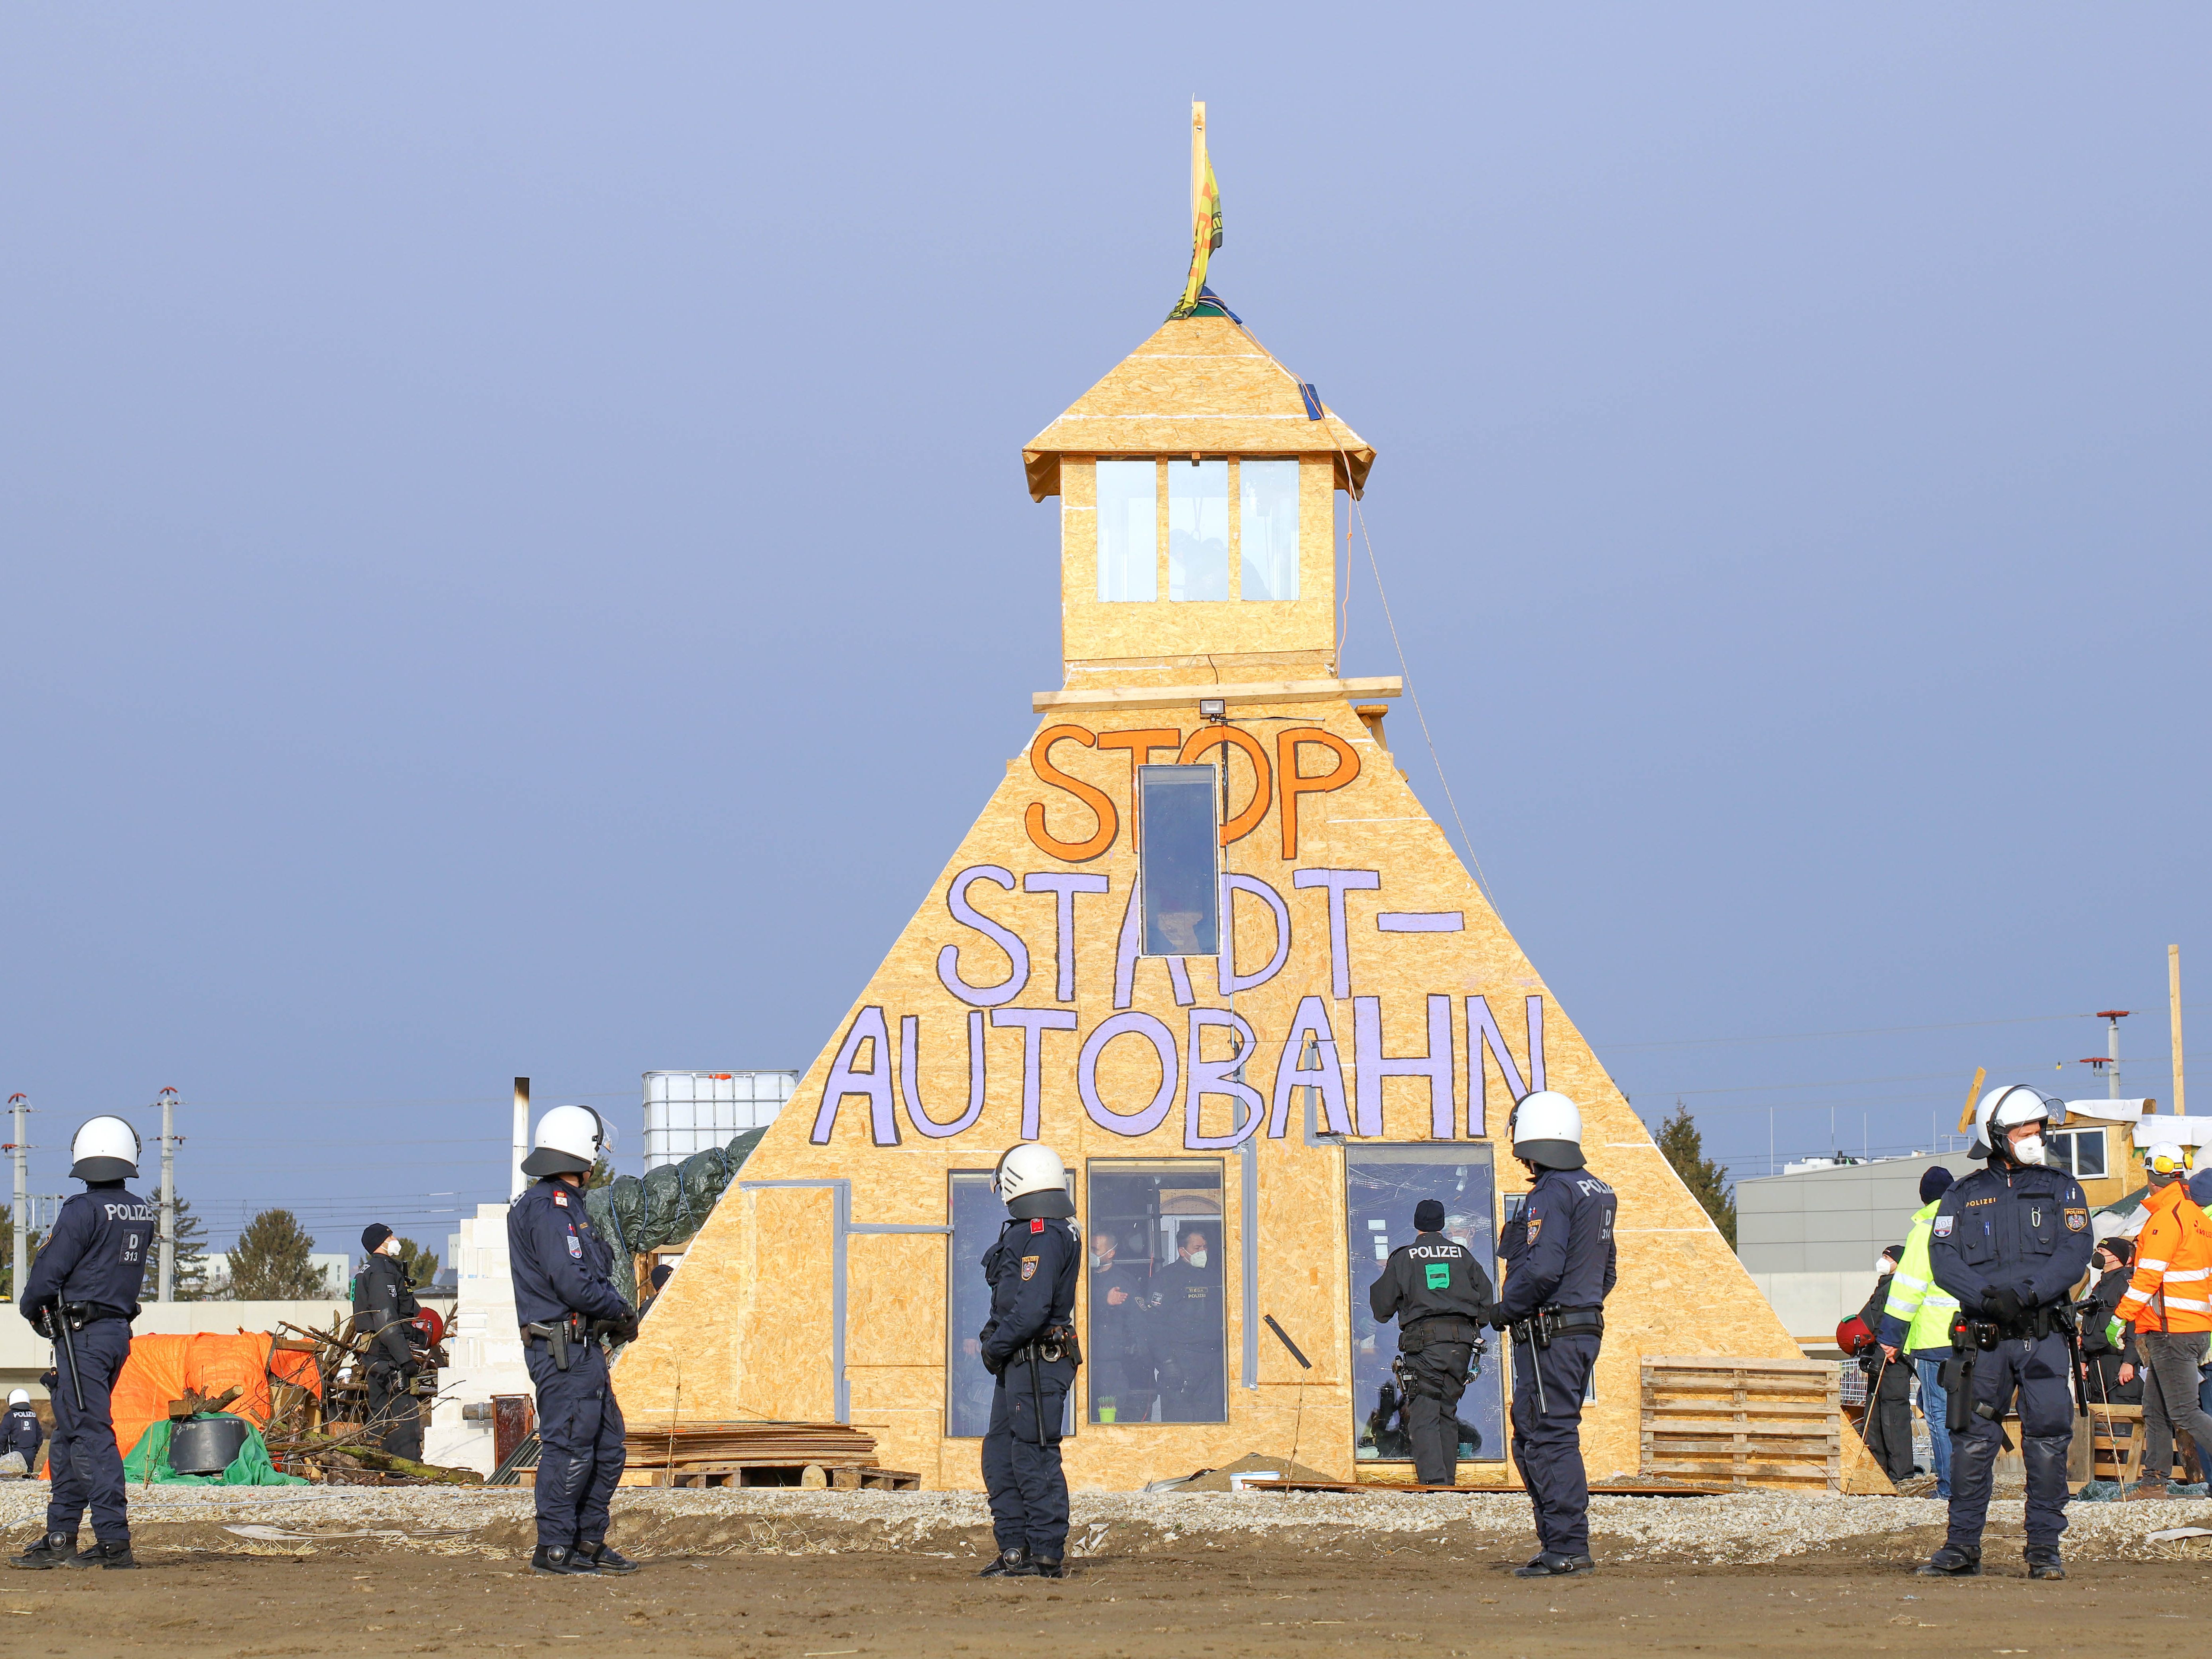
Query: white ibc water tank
x,y
688,1112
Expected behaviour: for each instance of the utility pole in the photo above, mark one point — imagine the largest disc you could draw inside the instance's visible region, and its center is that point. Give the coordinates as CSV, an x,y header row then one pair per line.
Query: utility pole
x,y
521,1137
2109,1061
20,1256
168,1290
2174,996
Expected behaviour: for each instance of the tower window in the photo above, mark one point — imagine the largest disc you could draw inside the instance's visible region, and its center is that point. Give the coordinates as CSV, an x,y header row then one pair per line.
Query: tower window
x,y
1267,531
1198,529
1129,531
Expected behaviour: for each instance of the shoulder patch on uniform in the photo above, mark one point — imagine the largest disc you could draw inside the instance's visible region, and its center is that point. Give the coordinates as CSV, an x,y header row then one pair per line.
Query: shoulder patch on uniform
x,y
1036,1226
561,1198
1535,1226
2077,1220
576,1246
1942,1229
1028,1266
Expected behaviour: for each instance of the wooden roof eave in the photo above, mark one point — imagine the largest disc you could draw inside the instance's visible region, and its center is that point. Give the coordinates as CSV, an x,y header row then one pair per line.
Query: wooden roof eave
x,y
1352,461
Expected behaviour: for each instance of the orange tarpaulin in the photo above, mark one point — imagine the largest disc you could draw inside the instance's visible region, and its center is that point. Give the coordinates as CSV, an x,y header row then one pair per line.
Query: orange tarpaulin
x,y
161,1367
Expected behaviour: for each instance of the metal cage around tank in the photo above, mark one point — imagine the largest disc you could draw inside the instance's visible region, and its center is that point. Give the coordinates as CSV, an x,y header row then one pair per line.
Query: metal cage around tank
x,y
687,1112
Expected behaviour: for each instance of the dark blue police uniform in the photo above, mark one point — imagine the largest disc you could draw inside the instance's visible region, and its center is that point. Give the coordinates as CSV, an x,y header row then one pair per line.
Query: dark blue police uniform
x,y
1558,1255
91,1264
22,1433
2006,1235
1031,1270
561,1268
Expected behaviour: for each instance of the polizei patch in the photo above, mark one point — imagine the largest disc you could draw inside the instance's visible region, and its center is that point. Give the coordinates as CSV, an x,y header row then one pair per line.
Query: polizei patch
x,y
1028,1266
1943,1225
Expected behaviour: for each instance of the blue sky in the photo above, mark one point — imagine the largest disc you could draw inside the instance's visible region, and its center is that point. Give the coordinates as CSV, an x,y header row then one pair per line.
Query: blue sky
x,y
464,479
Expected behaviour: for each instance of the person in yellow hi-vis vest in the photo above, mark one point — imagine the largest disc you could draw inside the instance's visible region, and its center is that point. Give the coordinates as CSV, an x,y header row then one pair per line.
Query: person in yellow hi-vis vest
x,y
1915,1324
2169,1302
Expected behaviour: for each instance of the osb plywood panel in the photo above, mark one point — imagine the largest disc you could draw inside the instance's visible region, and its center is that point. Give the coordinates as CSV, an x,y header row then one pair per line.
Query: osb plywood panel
x,y
1240,668
1201,384
1228,629
749,1317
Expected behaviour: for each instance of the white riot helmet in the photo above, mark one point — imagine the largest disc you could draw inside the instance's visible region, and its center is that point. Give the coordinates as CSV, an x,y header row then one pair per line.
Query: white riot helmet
x,y
2003,1109
570,1139
1032,1182
19,1396
104,1149
1547,1129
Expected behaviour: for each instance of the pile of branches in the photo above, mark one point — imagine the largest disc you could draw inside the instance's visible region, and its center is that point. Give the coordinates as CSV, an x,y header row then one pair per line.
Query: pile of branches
x,y
327,1435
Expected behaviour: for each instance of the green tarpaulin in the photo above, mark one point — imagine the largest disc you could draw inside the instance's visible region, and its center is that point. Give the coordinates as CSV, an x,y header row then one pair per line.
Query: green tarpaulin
x,y
666,1207
251,1467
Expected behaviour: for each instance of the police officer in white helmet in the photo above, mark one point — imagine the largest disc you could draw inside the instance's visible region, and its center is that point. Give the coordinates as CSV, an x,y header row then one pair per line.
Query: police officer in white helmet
x,y
2010,1241
567,1303
82,1294
1559,1268
1029,1346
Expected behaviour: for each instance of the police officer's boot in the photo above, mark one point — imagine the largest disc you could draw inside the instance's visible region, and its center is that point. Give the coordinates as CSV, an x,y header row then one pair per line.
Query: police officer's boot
x,y
1550,1565
104,1553
607,1558
559,1559
1008,1563
51,1551
1951,1562
2044,1561
1044,1566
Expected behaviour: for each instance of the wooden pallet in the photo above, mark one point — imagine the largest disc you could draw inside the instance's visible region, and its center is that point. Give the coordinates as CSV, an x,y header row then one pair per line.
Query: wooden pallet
x,y
1738,1424
652,1445
858,1477
2116,1442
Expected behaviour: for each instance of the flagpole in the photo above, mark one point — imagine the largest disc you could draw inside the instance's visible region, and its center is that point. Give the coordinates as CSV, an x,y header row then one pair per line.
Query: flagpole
x,y
1197,157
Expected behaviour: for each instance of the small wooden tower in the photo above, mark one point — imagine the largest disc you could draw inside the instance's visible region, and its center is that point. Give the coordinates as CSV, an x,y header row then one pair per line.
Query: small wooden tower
x,y
1205,941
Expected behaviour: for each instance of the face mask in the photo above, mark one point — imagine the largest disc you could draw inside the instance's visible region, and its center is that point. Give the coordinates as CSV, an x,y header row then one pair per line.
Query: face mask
x,y
1100,1262
1884,1267
1198,1258
2030,1150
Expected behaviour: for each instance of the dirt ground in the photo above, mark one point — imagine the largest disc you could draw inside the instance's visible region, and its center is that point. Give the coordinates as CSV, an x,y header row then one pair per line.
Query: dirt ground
x,y
205,1590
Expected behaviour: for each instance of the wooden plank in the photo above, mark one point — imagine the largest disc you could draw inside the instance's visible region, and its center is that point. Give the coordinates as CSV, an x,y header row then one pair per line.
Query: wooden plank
x,y
1183,696
1726,1363
1765,1409
1701,1467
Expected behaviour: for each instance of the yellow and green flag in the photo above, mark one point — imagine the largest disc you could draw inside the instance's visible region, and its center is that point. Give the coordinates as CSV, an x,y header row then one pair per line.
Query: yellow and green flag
x,y
1205,237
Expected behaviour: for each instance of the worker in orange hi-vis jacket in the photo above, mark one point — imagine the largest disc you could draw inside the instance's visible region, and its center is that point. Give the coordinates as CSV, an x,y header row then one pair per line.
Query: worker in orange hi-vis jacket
x,y
2169,1302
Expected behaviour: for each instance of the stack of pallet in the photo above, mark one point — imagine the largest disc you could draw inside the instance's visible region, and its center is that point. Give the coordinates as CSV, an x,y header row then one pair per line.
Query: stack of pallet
x,y
1743,1423
746,1454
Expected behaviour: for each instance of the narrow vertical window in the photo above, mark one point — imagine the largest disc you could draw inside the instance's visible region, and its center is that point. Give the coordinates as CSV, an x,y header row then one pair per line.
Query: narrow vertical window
x,y
1129,531
1178,837
1268,531
1198,529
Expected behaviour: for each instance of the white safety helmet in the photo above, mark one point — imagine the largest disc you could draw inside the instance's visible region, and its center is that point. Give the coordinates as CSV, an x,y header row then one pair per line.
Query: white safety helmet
x,y
2004,1109
1547,1129
19,1396
2166,1162
1032,1182
104,1149
570,1139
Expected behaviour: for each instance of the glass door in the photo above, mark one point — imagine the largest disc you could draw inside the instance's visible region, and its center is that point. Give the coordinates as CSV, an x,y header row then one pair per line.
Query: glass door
x,y
1381,1187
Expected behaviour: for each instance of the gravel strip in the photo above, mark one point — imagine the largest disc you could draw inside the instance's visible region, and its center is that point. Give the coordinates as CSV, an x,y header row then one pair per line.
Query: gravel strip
x,y
1743,1530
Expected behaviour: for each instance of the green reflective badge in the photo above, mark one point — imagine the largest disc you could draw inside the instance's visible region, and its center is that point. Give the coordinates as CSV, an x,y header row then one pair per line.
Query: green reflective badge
x,y
1439,1275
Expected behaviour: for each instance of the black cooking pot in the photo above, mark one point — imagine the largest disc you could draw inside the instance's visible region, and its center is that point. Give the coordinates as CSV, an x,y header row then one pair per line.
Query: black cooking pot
x,y
206,1445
